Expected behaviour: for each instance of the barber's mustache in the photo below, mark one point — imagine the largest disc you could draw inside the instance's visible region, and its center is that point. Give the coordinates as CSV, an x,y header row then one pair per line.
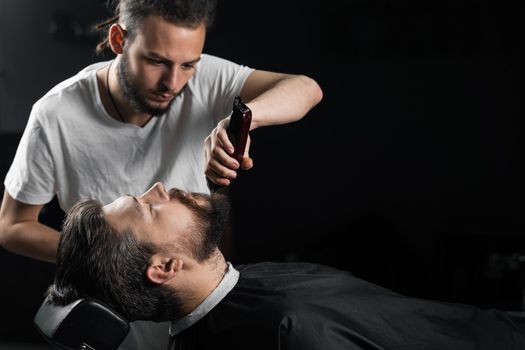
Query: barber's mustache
x,y
165,90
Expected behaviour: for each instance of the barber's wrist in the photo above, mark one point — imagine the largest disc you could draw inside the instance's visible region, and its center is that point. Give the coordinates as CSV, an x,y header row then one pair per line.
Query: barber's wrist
x,y
256,122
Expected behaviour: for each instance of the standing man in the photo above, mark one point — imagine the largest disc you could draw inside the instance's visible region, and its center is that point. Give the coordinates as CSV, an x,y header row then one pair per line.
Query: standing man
x,y
142,117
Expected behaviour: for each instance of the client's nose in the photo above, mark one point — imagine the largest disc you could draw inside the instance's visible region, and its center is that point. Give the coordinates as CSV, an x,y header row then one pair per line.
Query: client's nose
x,y
156,192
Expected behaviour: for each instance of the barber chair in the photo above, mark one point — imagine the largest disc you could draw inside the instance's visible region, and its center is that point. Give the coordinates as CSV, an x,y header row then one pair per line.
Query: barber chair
x,y
85,324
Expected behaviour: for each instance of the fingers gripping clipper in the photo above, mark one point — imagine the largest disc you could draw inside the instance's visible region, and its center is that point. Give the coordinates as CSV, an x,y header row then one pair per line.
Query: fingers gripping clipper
x,y
238,130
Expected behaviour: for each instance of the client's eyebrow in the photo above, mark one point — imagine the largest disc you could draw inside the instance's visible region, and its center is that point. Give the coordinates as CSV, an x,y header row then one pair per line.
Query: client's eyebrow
x,y
137,206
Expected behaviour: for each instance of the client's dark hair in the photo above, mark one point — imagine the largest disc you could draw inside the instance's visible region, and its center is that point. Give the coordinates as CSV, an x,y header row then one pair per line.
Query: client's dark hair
x,y
188,13
94,260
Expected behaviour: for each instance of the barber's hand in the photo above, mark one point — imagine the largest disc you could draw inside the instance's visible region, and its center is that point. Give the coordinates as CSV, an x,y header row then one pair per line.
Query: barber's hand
x,y
221,167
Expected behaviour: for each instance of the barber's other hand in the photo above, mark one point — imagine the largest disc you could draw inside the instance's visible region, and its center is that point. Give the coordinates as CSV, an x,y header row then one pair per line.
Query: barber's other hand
x,y
221,167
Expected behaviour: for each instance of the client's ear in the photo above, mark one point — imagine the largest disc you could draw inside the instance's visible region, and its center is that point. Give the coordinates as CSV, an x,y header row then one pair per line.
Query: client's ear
x,y
161,268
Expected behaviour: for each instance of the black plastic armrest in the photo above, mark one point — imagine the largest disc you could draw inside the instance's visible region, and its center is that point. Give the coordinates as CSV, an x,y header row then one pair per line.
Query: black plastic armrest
x,y
83,324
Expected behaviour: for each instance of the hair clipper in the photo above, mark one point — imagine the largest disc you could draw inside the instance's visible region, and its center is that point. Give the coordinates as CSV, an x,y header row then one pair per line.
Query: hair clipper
x,y
238,130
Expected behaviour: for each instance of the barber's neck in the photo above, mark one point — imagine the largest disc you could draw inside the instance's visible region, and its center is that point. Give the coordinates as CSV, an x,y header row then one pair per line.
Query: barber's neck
x,y
203,280
114,100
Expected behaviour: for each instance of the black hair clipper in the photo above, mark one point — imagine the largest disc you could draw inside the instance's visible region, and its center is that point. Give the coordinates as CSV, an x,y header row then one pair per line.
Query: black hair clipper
x,y
238,130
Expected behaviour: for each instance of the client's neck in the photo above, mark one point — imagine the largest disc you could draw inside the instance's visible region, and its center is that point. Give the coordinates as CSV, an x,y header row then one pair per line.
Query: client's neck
x,y
202,280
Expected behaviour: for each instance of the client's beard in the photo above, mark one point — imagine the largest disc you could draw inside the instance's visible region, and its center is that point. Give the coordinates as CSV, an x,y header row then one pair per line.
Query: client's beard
x,y
211,222
219,218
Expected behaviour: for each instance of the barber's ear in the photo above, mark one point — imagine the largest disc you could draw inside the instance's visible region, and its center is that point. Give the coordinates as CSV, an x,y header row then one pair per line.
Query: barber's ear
x,y
161,269
116,38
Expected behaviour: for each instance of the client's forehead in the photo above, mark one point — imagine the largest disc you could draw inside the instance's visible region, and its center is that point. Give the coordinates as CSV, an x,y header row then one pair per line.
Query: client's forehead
x,y
120,205
122,212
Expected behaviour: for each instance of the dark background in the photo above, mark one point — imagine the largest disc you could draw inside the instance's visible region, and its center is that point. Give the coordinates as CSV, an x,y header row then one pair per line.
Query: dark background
x,y
408,174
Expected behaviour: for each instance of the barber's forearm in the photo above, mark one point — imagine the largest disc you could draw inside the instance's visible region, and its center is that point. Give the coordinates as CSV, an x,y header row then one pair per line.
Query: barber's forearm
x,y
287,101
31,239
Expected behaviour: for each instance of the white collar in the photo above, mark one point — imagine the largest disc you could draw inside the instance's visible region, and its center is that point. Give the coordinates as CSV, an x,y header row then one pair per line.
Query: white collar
x,y
225,286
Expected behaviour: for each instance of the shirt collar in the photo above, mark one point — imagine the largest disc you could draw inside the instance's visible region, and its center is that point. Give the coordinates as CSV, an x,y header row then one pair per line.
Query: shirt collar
x,y
223,288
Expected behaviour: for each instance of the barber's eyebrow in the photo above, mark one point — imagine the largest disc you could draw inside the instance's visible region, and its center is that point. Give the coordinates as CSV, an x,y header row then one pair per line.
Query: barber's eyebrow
x,y
166,60
193,61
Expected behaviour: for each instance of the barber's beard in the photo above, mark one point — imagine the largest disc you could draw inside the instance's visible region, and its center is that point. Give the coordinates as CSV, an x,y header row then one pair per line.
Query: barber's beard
x,y
129,86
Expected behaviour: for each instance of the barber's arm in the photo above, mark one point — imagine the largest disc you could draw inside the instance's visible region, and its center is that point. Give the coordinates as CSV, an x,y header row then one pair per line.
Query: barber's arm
x,y
20,231
274,98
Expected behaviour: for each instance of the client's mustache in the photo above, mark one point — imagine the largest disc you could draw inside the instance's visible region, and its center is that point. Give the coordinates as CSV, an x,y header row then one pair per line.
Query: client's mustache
x,y
181,195
175,193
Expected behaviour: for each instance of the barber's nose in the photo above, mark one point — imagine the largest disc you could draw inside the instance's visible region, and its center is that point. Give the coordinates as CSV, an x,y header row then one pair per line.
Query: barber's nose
x,y
157,192
174,79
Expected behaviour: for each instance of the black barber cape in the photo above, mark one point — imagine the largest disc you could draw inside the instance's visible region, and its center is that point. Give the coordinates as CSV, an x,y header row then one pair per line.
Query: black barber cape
x,y
307,306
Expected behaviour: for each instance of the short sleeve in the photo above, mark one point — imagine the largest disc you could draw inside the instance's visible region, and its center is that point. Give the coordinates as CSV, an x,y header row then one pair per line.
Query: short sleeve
x,y
31,177
217,82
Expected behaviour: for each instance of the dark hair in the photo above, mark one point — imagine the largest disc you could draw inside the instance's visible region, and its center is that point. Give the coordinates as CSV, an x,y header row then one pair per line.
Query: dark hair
x,y
188,13
94,260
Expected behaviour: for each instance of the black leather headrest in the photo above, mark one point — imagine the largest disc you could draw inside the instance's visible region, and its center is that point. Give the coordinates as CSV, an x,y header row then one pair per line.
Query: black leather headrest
x,y
83,324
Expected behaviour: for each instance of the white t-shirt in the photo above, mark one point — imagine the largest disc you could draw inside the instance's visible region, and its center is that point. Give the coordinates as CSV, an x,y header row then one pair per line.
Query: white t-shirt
x,y
71,147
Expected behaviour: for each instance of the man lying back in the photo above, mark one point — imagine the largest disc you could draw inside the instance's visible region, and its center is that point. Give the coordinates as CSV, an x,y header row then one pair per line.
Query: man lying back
x,y
156,257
